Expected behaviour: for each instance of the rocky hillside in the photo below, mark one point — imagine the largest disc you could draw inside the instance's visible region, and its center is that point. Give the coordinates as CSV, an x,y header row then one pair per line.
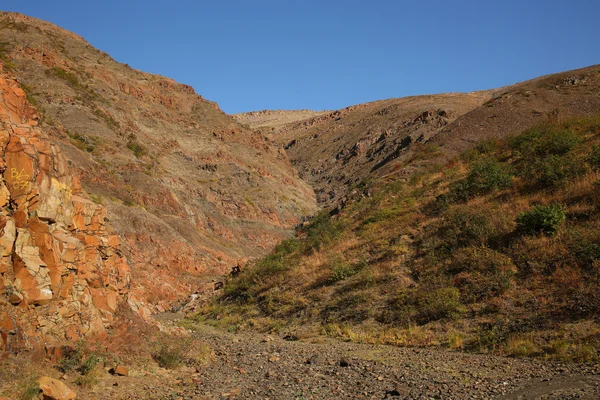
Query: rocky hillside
x,y
495,251
188,190
62,273
337,150
272,120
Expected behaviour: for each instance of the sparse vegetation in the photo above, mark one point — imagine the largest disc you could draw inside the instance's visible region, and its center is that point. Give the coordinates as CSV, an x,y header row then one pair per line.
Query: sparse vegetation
x,y
172,352
459,245
81,359
67,76
83,143
4,56
137,149
29,388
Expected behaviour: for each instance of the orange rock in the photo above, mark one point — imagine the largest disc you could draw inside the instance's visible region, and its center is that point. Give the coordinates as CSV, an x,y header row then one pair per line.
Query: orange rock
x,y
72,334
121,371
6,323
19,172
53,389
113,241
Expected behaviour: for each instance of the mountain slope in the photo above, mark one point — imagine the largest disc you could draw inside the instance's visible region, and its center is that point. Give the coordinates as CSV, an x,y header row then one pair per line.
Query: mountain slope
x,y
496,251
189,191
335,151
272,120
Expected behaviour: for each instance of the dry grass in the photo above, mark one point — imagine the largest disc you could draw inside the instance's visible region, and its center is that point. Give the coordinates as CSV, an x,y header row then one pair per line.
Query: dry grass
x,y
387,267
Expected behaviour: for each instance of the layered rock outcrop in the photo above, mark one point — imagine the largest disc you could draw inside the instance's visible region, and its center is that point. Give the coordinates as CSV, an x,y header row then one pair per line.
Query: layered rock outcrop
x,y
62,274
188,190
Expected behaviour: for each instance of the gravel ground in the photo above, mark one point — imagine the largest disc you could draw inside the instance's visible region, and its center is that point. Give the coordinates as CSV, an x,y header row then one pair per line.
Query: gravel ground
x,y
256,366
264,367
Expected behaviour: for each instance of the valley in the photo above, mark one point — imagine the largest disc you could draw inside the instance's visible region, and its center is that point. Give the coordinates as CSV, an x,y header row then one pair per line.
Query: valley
x,y
436,246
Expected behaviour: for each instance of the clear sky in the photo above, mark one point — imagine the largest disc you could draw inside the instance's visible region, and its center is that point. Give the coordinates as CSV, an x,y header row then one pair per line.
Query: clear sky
x,y
291,54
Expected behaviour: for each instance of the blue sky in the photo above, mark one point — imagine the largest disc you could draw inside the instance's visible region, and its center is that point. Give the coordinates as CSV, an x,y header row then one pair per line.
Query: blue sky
x,y
288,54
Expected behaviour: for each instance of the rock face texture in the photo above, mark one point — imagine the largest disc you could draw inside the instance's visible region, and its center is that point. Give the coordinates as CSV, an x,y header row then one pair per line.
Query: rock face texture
x,y
61,272
334,151
188,190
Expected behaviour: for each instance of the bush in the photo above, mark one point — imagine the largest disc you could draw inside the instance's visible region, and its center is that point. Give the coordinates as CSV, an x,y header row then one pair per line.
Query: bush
x,y
464,226
29,388
321,231
137,149
425,305
437,304
341,270
544,141
70,77
585,246
80,359
485,177
170,353
489,175
554,170
542,219
521,347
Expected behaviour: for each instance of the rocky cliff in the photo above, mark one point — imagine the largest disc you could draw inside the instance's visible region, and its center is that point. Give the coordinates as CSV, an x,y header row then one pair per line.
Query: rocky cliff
x,y
62,274
188,190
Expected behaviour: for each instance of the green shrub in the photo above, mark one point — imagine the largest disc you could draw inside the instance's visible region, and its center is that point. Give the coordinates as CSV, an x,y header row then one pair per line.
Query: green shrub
x,y
585,246
29,388
82,142
543,141
321,231
484,177
542,219
137,149
464,226
489,175
341,270
424,305
554,170
433,305
481,273
490,337
80,359
69,77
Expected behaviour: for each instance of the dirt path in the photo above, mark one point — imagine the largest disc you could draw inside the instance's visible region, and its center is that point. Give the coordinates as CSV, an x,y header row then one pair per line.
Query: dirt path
x,y
255,366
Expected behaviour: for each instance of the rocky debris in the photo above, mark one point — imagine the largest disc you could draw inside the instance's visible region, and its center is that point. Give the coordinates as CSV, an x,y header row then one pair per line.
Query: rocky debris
x,y
60,270
328,369
575,80
53,389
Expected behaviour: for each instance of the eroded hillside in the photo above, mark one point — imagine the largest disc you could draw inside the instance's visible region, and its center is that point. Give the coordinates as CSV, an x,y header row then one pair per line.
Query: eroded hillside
x,y
187,189
337,150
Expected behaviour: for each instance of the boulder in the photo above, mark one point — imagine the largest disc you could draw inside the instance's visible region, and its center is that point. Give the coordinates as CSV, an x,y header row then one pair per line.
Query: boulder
x,y
53,389
120,370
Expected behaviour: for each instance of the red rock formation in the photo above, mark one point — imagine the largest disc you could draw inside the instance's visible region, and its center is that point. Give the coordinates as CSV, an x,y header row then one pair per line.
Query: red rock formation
x,y
61,273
